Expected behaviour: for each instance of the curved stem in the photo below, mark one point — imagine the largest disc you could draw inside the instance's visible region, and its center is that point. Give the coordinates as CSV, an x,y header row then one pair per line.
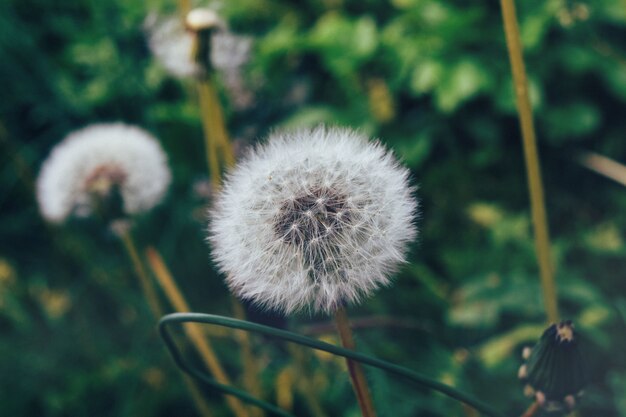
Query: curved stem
x,y
538,208
357,376
417,378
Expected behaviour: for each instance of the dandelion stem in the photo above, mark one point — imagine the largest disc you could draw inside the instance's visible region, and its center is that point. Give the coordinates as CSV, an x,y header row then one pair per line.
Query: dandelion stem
x,y
532,410
164,277
146,285
157,310
305,383
210,139
218,123
538,209
250,371
357,376
198,398
407,374
184,7
604,166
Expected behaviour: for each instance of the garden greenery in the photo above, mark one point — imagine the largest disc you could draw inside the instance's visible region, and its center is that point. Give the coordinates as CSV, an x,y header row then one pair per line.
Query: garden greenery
x,y
432,79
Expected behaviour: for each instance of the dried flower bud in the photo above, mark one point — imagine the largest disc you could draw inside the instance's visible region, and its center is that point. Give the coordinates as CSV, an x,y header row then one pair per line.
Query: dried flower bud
x,y
554,372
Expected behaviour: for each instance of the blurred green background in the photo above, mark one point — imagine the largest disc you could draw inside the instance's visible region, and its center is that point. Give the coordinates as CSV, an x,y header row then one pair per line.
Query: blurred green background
x,y
429,77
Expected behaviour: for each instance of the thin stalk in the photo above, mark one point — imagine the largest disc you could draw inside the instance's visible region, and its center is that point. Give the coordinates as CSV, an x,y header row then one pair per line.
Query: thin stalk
x,y
164,277
250,369
532,410
305,383
157,310
184,7
538,209
415,377
210,139
604,166
146,285
217,122
357,376
197,397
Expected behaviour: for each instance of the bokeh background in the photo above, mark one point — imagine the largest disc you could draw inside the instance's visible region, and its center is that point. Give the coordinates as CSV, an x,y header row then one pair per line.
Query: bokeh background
x,y
429,77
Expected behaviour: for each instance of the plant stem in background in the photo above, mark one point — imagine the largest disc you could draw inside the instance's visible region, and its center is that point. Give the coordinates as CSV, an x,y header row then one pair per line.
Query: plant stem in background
x,y
250,369
157,311
218,146
210,140
214,108
198,397
540,223
305,382
146,285
604,166
357,376
164,277
531,411
184,7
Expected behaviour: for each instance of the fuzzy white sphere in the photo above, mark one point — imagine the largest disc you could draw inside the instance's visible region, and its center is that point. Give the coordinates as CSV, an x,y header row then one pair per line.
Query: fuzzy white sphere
x,y
172,45
116,153
313,220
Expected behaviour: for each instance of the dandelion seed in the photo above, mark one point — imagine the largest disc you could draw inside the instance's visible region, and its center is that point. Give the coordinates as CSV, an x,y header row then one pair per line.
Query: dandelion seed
x,y
313,220
94,162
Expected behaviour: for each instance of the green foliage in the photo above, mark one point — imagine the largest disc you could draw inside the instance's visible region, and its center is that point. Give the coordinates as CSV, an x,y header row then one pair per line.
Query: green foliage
x,y
430,78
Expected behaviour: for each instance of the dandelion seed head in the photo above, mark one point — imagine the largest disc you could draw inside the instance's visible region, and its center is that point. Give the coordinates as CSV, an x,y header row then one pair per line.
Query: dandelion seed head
x,y
313,220
93,161
172,43
202,19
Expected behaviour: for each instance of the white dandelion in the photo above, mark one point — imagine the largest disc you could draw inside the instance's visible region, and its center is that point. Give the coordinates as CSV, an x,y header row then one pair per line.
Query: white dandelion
x,y
91,161
172,43
313,220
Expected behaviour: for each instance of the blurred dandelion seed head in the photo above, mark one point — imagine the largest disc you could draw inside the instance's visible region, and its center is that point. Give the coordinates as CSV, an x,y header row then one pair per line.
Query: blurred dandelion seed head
x,y
312,220
173,44
93,162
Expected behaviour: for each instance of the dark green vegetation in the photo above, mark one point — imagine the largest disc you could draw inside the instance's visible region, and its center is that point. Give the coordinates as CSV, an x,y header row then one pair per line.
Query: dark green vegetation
x,y
432,79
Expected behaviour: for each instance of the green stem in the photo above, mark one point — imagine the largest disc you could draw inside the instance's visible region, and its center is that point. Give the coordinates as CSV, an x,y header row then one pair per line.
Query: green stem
x,y
537,204
419,379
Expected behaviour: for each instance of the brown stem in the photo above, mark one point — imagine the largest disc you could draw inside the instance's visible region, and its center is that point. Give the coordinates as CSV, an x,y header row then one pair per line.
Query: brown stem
x,y
357,376
210,139
604,166
164,277
251,378
532,410
305,383
538,209
157,310
146,285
